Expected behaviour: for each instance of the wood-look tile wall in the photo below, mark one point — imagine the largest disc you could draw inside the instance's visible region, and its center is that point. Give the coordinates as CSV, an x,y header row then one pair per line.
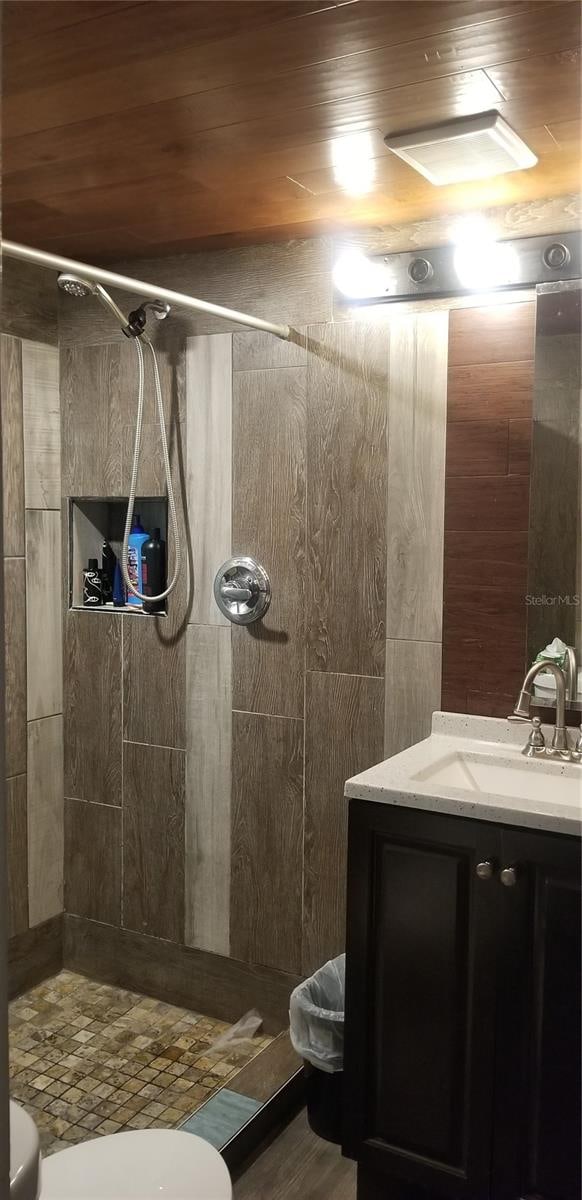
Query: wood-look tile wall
x,y
489,428
29,386
204,763
283,451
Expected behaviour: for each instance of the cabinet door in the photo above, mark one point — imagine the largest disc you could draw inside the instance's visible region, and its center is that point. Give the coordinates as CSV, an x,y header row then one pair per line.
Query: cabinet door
x,y
538,1120
420,1002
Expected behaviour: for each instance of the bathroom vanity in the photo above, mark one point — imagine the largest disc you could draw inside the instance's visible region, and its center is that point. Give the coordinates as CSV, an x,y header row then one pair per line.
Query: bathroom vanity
x,y
462,1054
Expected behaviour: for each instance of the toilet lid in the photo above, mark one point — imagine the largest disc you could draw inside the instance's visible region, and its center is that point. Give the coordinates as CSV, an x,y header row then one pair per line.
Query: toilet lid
x,y
146,1164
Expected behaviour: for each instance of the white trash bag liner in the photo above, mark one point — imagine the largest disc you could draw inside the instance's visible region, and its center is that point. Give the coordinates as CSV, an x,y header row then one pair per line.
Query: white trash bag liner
x,y
316,1013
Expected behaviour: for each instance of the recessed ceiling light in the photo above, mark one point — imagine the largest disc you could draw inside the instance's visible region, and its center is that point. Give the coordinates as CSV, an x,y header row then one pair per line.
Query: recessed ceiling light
x,y
469,148
353,164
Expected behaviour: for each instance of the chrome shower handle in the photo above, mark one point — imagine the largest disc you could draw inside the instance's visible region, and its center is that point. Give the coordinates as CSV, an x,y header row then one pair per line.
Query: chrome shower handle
x,y
235,591
242,590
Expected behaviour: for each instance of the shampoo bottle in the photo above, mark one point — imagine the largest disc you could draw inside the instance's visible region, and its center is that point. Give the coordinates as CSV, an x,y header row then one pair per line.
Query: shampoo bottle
x,y
153,568
137,537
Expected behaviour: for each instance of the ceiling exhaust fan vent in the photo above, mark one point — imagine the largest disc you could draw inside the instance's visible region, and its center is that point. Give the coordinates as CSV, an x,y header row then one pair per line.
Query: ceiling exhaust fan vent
x,y
469,148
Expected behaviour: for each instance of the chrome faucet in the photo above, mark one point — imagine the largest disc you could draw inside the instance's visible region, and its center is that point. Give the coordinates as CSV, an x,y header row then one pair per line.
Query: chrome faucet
x,y
522,709
571,673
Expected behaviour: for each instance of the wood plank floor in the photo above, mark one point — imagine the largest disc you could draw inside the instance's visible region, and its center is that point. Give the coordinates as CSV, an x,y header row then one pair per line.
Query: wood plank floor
x,y
298,1166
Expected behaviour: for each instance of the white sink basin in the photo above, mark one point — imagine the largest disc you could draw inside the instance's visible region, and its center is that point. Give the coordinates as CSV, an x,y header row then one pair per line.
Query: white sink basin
x,y
474,767
485,775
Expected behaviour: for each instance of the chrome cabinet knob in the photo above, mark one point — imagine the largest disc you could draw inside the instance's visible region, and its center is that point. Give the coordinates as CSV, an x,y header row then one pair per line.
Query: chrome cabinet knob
x,y
485,870
508,876
242,590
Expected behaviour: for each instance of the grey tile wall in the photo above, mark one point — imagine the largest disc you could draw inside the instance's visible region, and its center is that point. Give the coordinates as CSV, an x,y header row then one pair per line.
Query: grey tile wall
x,y
222,812
29,390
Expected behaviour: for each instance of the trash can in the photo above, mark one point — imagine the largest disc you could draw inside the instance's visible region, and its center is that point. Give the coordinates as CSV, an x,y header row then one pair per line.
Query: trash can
x,y
316,1014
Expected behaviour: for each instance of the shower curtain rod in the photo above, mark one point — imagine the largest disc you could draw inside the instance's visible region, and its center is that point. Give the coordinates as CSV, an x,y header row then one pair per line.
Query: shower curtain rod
x,y
126,284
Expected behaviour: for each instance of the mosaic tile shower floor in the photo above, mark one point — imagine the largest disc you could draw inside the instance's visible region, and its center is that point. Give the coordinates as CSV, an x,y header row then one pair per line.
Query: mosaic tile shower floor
x,y
89,1059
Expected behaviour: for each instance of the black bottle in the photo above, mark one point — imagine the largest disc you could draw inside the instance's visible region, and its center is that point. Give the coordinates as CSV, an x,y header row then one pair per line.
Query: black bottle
x,y
92,593
153,568
108,563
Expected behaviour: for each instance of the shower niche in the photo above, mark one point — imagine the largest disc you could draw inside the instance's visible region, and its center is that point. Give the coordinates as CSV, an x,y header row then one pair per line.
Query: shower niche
x,y
91,522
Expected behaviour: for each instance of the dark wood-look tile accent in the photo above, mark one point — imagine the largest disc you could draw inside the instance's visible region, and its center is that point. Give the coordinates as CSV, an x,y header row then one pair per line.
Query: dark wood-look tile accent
x,y
268,1071
346,498
344,734
490,391
498,333
486,558
93,861
153,840
268,522
93,409
29,301
15,664
491,704
12,445
177,974
154,650
17,854
267,836
486,502
35,955
92,706
520,442
477,447
487,506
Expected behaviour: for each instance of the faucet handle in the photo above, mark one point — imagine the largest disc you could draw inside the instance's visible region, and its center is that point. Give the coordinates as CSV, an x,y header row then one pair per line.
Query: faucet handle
x,y
536,742
577,751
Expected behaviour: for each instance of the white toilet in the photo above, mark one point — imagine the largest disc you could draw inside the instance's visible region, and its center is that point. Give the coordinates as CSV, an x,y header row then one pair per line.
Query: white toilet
x,y
147,1164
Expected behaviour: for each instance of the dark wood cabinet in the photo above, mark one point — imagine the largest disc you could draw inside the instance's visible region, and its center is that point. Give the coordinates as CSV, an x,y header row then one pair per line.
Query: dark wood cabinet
x,y
462,1053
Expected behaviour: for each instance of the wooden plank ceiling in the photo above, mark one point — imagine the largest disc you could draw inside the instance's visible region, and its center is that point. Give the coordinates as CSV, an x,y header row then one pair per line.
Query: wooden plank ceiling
x,y
156,126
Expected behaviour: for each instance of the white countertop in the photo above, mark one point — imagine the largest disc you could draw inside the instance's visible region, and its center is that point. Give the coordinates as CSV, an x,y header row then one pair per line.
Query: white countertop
x,y
473,767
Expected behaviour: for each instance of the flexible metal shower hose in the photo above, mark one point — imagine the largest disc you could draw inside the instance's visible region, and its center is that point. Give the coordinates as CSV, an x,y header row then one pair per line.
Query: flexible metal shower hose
x,y
166,457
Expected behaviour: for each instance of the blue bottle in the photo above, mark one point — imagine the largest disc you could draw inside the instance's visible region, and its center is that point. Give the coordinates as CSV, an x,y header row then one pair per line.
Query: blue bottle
x,y
137,538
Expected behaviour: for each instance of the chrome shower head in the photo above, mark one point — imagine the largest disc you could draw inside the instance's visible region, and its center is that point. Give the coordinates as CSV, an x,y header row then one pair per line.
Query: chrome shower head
x,y
75,286
134,324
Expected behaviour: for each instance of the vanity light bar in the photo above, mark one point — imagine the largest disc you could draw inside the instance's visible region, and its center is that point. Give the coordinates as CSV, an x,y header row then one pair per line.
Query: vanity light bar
x,y
411,274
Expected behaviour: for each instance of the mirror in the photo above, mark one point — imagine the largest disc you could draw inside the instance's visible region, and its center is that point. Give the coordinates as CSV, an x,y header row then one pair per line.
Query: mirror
x,y
554,590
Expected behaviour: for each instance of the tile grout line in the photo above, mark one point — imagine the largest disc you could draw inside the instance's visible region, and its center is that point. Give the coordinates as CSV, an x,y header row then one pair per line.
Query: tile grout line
x,y
152,746
95,803
246,712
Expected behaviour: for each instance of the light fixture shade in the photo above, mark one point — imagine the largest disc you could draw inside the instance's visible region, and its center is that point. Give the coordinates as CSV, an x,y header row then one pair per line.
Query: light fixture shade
x,y
469,148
